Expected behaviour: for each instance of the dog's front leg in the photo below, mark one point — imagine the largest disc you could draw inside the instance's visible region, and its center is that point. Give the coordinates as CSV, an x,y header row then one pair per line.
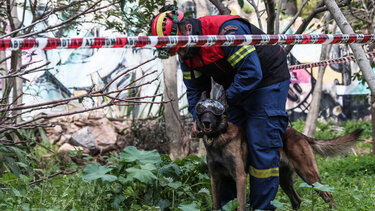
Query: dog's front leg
x,y
215,187
241,189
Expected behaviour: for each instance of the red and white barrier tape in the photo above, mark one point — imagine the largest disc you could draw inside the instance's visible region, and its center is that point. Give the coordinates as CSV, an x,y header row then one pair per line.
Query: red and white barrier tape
x,y
329,62
182,41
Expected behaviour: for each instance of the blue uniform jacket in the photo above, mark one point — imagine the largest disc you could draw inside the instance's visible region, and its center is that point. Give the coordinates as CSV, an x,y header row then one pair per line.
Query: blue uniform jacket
x,y
243,59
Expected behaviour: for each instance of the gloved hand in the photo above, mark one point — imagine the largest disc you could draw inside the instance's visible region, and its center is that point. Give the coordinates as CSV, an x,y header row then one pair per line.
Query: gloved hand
x,y
195,132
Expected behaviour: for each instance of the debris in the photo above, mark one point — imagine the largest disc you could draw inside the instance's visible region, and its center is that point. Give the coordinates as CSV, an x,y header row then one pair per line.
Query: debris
x,y
84,138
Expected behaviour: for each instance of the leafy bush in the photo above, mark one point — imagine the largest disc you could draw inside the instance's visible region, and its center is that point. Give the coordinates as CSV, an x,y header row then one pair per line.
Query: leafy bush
x,y
147,180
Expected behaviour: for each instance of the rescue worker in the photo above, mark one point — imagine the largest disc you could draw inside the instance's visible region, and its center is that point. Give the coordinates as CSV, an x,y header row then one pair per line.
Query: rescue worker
x,y
256,79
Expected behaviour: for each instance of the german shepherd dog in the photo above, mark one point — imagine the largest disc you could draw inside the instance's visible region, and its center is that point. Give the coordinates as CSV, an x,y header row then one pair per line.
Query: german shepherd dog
x,y
227,153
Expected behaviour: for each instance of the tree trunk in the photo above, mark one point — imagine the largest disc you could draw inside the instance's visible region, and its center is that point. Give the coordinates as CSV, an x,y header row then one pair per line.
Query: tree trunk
x,y
290,7
271,15
16,62
358,51
372,98
171,112
359,54
312,116
3,70
373,122
16,84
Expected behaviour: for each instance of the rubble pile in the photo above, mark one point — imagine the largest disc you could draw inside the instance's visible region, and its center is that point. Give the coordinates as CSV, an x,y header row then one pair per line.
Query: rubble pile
x,y
93,133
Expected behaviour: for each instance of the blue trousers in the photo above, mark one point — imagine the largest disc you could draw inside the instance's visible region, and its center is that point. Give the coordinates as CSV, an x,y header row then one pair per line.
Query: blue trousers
x,y
263,115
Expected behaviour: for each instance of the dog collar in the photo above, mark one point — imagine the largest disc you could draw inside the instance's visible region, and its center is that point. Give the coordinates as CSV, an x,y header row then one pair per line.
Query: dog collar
x,y
208,141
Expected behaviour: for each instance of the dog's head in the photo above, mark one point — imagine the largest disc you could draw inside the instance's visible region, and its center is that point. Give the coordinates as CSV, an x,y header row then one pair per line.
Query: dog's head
x,y
212,118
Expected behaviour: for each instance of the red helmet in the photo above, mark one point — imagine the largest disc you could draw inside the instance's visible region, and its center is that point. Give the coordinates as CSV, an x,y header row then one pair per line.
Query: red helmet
x,y
165,24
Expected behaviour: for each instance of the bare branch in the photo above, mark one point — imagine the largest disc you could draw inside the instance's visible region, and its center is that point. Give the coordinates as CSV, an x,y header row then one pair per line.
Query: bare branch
x,y
9,14
223,10
255,6
23,14
36,69
295,17
86,11
53,175
277,23
9,143
319,8
126,72
356,16
29,26
6,58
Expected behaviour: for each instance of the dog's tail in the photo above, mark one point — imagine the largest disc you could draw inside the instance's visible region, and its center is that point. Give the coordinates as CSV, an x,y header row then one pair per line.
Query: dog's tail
x,y
336,146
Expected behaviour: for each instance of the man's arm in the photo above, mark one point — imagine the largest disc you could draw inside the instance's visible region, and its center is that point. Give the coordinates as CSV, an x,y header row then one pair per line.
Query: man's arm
x,y
244,60
195,83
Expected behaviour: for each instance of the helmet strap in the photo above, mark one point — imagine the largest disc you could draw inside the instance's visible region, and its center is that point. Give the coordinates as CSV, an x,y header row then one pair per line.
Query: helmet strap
x,y
175,22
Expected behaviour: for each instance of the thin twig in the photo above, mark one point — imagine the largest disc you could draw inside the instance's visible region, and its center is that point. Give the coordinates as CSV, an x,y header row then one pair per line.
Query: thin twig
x,y
8,143
85,12
53,175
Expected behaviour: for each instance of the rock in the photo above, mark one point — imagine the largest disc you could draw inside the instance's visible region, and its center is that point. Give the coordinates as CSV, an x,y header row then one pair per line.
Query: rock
x,y
67,147
84,138
64,139
104,133
54,138
58,129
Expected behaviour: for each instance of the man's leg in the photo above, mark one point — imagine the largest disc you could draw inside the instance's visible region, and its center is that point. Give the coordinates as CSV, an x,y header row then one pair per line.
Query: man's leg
x,y
266,123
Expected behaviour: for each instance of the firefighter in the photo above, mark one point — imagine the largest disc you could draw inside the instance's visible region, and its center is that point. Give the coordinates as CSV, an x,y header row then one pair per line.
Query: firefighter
x,y
256,79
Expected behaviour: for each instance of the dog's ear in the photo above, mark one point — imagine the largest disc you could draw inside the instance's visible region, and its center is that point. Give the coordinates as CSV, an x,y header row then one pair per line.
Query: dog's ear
x,y
204,95
223,98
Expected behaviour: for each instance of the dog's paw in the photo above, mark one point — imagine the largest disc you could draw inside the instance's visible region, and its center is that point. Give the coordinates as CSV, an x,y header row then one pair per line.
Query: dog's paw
x,y
197,134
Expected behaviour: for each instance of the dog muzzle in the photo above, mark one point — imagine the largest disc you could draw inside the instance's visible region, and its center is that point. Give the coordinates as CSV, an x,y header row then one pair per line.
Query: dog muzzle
x,y
210,105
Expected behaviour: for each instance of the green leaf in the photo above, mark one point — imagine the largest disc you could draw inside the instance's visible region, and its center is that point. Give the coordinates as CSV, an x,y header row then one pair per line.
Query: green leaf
x,y
117,201
232,205
278,204
132,154
122,5
189,207
23,165
16,192
8,136
318,186
24,179
94,171
8,177
141,2
43,135
163,204
2,197
143,174
169,169
204,191
20,137
25,207
241,3
122,180
13,166
305,185
175,185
